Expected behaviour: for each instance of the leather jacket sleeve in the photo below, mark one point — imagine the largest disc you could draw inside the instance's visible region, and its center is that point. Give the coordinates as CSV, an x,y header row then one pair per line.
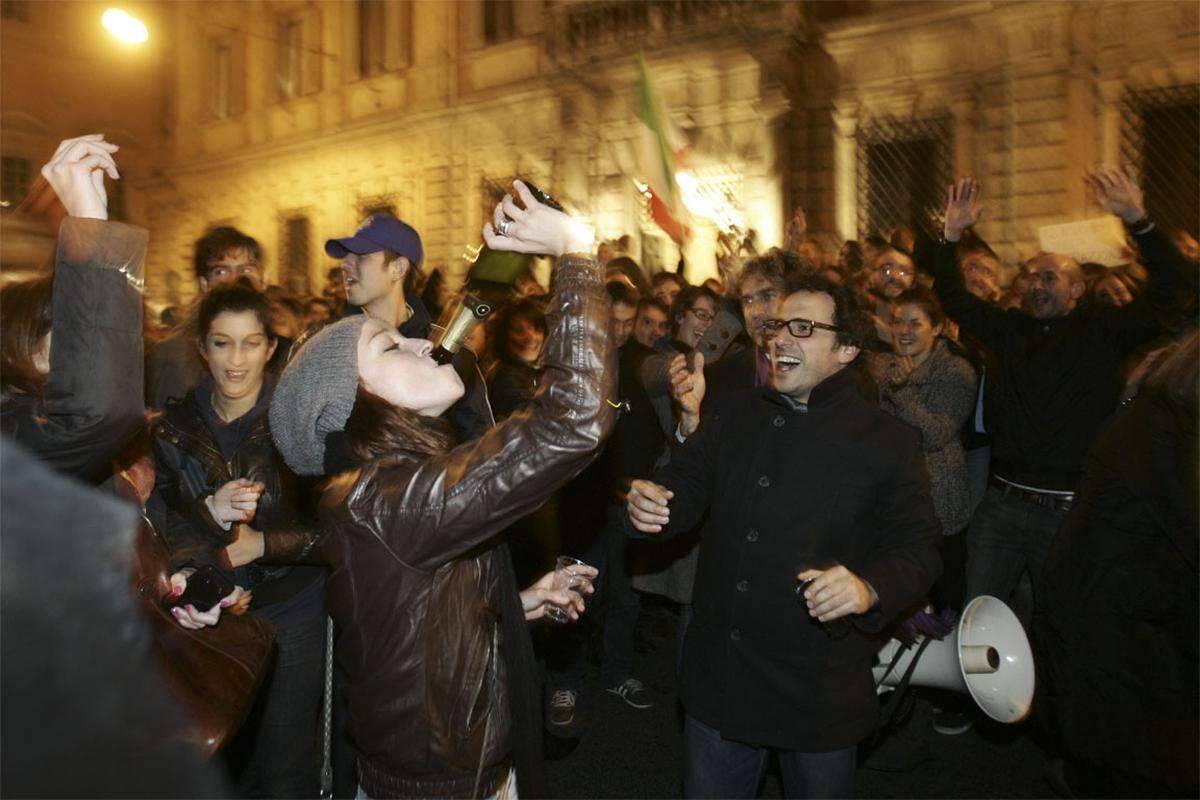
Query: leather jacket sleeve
x,y
92,401
430,512
191,534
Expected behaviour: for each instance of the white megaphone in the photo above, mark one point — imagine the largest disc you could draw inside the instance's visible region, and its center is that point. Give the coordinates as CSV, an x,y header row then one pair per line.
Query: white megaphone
x,y
988,656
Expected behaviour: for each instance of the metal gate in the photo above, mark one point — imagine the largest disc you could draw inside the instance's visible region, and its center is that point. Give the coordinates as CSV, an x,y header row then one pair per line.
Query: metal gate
x,y
904,167
1160,139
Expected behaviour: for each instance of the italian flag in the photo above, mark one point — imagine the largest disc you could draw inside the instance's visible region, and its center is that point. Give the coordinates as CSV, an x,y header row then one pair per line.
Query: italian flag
x,y
660,152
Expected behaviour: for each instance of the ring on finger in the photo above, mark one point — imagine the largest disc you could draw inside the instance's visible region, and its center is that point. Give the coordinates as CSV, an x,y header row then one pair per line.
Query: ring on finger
x,y
503,226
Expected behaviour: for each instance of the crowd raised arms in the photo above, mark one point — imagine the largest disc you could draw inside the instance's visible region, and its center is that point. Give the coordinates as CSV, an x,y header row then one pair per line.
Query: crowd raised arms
x,y
796,455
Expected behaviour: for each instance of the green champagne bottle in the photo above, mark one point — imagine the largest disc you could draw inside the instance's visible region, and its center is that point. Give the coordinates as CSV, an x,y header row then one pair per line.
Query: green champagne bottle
x,y
491,276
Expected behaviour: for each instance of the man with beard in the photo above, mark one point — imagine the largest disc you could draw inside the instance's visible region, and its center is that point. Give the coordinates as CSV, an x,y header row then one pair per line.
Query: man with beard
x,y
804,479
1055,382
892,274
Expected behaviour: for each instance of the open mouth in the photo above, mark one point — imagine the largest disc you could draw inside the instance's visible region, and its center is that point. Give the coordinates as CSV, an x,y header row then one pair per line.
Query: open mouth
x,y
786,363
236,375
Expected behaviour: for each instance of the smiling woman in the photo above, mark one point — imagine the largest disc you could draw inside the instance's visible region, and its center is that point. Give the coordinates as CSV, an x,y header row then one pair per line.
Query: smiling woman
x,y
231,504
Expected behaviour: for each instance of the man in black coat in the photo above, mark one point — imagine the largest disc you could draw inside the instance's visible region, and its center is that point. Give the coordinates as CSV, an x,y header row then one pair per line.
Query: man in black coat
x,y
1055,382
802,480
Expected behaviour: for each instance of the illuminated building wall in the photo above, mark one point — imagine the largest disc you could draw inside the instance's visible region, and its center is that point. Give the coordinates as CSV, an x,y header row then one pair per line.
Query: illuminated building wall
x,y
292,119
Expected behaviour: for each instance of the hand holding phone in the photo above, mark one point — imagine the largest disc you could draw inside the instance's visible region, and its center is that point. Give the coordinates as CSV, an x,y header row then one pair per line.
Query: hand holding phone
x,y
199,595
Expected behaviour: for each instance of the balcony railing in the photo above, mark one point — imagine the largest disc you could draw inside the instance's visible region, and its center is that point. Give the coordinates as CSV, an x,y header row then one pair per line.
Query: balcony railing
x,y
592,29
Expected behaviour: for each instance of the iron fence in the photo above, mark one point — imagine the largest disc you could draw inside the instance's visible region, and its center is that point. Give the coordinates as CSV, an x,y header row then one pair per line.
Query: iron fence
x,y
904,166
1161,141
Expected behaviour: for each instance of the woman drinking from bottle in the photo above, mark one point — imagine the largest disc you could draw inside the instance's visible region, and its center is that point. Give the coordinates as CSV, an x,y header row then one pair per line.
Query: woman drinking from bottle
x,y
441,676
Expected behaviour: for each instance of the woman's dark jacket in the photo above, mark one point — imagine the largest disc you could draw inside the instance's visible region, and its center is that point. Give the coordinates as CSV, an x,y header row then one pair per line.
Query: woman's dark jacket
x,y
191,464
788,487
1117,626
417,580
91,404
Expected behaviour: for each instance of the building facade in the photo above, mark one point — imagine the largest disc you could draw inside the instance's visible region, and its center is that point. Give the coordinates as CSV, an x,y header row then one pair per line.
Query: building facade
x,y
293,120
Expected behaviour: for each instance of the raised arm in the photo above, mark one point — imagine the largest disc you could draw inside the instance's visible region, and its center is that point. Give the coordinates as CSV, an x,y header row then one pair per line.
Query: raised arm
x,y
449,504
1164,295
977,317
92,400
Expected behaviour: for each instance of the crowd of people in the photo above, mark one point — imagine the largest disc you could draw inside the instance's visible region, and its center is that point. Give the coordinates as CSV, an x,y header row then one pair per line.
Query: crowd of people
x,y
797,454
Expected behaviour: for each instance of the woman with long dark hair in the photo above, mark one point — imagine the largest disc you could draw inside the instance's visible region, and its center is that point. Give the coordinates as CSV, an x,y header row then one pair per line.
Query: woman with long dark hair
x,y
231,502
441,682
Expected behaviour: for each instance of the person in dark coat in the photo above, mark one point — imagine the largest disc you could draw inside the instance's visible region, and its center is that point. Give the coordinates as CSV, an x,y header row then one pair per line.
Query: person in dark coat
x,y
228,499
1117,626
86,710
71,344
1056,381
802,480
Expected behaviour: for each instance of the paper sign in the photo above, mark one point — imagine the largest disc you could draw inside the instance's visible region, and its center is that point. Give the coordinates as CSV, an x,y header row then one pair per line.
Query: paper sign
x,y
1099,240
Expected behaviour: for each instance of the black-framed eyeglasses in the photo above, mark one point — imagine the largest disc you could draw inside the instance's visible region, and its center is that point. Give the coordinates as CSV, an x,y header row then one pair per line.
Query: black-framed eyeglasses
x,y
702,314
800,328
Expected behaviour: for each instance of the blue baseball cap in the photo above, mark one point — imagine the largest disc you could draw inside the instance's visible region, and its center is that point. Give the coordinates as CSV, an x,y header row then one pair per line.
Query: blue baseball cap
x,y
380,232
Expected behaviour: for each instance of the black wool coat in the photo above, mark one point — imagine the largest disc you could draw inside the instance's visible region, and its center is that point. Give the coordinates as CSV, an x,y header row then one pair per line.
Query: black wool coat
x,y
786,489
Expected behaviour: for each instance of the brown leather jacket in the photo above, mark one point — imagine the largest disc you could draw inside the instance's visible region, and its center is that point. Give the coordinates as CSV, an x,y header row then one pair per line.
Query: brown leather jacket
x,y
415,574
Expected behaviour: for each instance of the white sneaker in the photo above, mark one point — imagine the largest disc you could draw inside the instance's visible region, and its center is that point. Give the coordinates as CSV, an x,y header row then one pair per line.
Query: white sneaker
x,y
633,692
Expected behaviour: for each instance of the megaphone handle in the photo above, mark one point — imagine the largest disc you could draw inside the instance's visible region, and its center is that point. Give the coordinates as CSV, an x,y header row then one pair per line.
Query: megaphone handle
x,y
890,708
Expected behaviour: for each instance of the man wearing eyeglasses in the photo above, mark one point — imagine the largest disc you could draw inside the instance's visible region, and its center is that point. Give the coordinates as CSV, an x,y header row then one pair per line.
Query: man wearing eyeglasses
x,y
802,479
222,256
893,274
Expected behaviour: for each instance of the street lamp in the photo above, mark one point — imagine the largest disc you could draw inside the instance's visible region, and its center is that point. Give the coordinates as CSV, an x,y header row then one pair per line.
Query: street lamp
x,y
124,26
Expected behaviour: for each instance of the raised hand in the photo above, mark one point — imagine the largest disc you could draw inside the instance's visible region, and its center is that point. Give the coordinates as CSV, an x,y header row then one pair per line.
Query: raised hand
x,y
687,388
647,506
963,208
76,173
536,228
1117,192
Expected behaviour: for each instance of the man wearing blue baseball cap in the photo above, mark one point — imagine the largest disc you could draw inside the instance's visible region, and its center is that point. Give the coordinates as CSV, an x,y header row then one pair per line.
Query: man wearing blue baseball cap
x,y
376,261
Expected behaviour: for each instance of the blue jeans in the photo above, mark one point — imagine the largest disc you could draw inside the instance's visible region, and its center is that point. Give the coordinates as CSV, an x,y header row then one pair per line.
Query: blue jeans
x,y
615,605
714,767
1007,538
275,752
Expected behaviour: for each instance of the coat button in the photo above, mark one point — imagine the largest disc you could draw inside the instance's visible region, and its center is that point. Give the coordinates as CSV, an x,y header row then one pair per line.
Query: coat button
x,y
778,421
743,586
764,481
735,633
752,536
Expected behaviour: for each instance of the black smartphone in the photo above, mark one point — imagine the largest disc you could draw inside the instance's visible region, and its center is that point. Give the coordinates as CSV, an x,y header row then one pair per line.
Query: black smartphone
x,y
205,588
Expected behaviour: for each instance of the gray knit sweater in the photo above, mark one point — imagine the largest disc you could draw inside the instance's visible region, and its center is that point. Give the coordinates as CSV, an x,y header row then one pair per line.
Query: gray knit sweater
x,y
936,399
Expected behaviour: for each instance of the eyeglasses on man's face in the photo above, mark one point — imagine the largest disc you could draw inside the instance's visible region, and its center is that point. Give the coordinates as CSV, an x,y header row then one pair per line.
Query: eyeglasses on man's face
x,y
895,271
800,328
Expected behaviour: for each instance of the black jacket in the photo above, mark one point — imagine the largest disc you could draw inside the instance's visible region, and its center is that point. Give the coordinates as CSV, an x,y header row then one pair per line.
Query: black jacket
x,y
189,466
91,404
1117,627
87,711
1056,379
786,489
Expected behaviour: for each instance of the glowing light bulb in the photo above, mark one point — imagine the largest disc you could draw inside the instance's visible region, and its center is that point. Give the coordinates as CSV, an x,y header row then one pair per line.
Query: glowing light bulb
x,y
124,26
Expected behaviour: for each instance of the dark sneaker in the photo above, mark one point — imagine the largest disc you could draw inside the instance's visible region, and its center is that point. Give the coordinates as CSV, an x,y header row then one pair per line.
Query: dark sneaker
x,y
633,692
950,722
562,707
